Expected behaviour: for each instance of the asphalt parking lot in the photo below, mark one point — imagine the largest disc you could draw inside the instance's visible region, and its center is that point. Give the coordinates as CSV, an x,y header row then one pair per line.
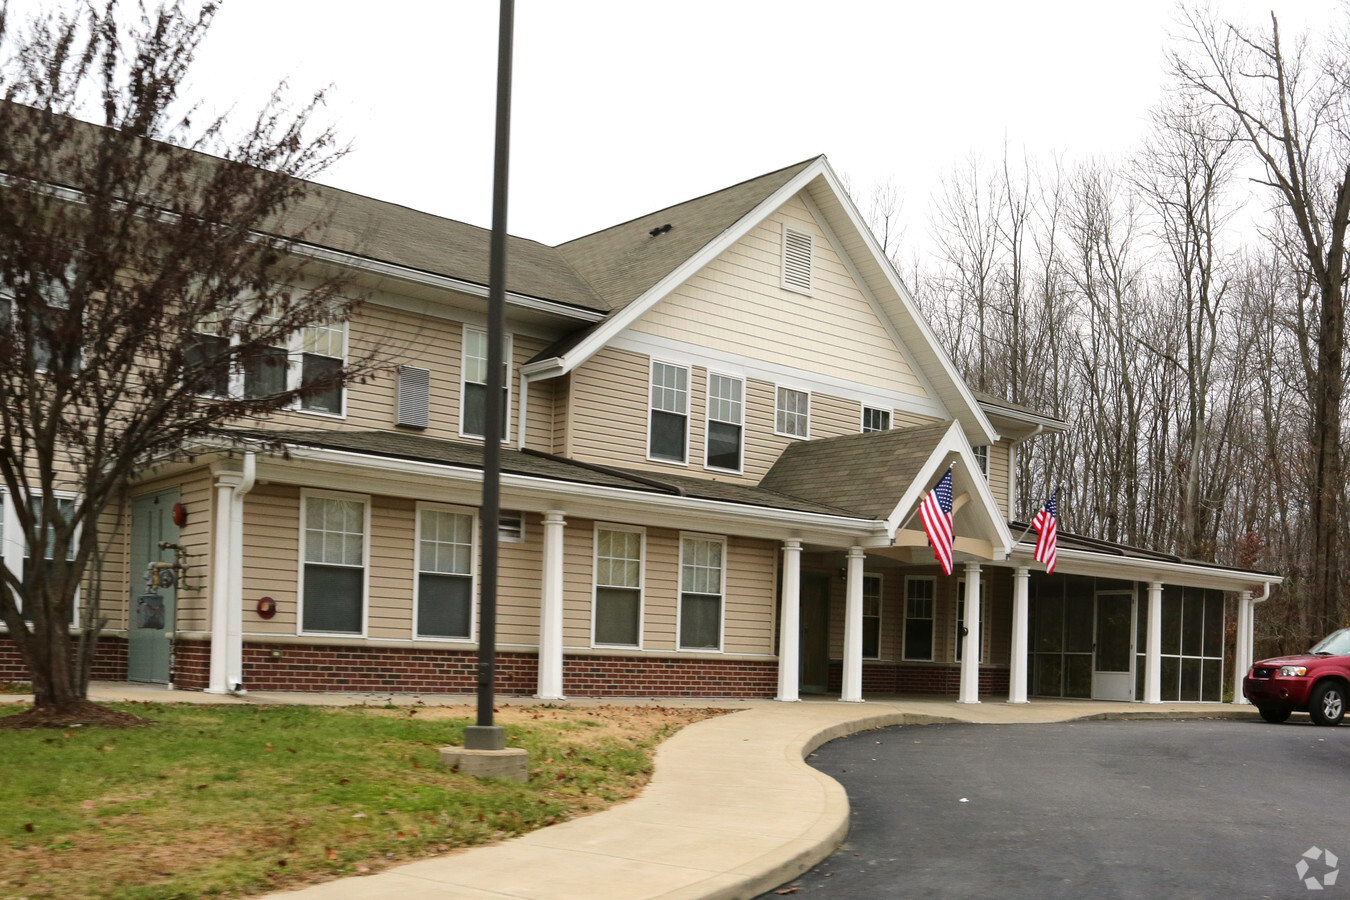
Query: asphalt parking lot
x,y
1202,808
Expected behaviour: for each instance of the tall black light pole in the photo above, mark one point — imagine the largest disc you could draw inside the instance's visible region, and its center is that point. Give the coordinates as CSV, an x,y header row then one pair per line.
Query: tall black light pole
x,y
485,735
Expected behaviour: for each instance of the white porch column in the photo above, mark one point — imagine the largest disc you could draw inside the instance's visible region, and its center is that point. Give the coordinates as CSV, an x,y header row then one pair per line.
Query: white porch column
x,y
551,610
970,644
789,623
1242,653
1017,662
853,612
1153,645
233,479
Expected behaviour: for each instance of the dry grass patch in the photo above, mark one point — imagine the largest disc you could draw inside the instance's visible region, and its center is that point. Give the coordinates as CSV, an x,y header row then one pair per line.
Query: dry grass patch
x,y
232,801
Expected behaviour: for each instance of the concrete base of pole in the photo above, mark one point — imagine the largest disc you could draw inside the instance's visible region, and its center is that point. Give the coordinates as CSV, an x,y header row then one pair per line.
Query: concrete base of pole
x,y
511,763
484,737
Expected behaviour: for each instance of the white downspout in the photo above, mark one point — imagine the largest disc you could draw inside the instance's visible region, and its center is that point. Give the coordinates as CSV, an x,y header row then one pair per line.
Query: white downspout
x,y
234,665
524,409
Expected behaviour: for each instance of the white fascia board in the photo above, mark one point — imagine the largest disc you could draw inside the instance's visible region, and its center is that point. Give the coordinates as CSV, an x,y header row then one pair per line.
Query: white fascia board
x,y
915,320
954,441
622,318
1106,565
445,282
320,467
1049,423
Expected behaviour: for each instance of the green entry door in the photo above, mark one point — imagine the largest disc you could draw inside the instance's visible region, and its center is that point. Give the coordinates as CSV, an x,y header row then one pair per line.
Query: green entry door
x,y
815,633
151,617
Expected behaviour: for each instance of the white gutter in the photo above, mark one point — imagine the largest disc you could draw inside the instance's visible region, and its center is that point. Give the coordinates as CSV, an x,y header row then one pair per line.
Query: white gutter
x,y
1157,569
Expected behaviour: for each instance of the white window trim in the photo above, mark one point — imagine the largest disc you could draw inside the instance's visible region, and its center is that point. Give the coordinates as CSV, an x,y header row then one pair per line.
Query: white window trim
x,y
295,370
688,403
904,620
364,499
881,604
982,459
508,349
862,418
810,262
12,548
680,592
796,437
708,420
959,610
642,581
472,513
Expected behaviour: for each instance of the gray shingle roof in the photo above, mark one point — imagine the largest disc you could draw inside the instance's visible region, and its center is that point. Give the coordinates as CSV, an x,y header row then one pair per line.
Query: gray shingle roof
x,y
866,474
466,455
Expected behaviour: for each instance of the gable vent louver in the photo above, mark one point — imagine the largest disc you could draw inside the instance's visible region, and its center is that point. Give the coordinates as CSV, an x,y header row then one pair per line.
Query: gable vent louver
x,y
797,260
414,396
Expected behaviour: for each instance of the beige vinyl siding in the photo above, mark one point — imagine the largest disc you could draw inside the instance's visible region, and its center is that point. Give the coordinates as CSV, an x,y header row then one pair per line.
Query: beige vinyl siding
x,y
114,528
271,556
562,410
998,474
608,419
519,572
541,419
578,568
660,596
194,607
833,416
901,418
749,596
389,599
737,304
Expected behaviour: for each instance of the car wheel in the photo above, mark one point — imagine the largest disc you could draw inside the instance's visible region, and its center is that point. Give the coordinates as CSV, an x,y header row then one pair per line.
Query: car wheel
x,y
1327,706
1274,714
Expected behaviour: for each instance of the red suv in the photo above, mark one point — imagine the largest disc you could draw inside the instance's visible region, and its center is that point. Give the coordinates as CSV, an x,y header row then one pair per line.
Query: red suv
x,y
1317,682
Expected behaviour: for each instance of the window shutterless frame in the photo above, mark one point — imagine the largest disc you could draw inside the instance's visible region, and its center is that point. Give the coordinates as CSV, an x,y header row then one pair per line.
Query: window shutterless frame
x,y
668,401
306,494
920,606
875,419
874,598
792,412
695,584
419,570
468,362
14,550
725,407
599,582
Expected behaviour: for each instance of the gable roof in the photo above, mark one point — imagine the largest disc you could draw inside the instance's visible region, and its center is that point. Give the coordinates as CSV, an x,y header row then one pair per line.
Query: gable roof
x,y
658,272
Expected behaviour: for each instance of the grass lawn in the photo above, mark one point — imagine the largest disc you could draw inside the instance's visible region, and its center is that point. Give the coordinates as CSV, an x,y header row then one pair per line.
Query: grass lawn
x,y
236,800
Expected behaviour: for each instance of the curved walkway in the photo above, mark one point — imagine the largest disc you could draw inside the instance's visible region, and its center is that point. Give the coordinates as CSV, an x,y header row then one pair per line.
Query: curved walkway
x,y
732,809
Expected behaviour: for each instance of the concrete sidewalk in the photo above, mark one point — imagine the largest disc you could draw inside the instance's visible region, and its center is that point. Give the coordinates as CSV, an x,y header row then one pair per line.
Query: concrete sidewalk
x,y
732,809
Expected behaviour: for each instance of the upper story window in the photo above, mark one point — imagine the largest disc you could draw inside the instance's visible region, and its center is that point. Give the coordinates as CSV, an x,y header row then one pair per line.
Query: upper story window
x,y
208,354
668,426
797,262
874,419
323,351
473,402
982,457
792,417
266,369
726,417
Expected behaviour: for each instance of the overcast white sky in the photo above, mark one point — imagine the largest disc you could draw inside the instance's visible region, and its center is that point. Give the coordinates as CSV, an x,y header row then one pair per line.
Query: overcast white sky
x,y
620,108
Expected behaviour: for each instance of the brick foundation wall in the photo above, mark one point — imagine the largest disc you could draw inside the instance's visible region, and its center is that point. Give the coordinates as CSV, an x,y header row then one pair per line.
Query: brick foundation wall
x,y
191,665
908,678
110,661
627,676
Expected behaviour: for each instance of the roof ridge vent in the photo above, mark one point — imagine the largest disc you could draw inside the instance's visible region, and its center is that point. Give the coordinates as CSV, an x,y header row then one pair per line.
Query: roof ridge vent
x,y
660,230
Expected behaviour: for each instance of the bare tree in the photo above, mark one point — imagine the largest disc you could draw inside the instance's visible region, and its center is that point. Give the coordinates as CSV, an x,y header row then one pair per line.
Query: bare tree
x,y
1291,107
136,275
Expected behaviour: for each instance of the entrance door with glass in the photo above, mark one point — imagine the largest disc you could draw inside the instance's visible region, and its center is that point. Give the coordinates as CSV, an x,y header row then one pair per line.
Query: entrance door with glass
x,y
815,633
1113,653
152,610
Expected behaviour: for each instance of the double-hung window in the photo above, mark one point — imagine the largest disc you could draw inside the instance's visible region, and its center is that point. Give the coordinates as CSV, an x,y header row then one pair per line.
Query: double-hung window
x,y
982,457
792,417
618,587
445,572
19,556
702,567
473,403
871,617
668,426
919,594
206,358
874,419
726,420
323,352
266,369
334,582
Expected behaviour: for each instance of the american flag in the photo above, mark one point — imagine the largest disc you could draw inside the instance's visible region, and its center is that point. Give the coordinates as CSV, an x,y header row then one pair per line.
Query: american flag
x,y
936,512
1046,524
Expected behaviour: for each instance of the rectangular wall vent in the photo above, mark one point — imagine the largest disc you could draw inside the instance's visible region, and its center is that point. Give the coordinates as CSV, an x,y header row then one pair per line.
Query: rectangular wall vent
x,y
414,397
797,260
